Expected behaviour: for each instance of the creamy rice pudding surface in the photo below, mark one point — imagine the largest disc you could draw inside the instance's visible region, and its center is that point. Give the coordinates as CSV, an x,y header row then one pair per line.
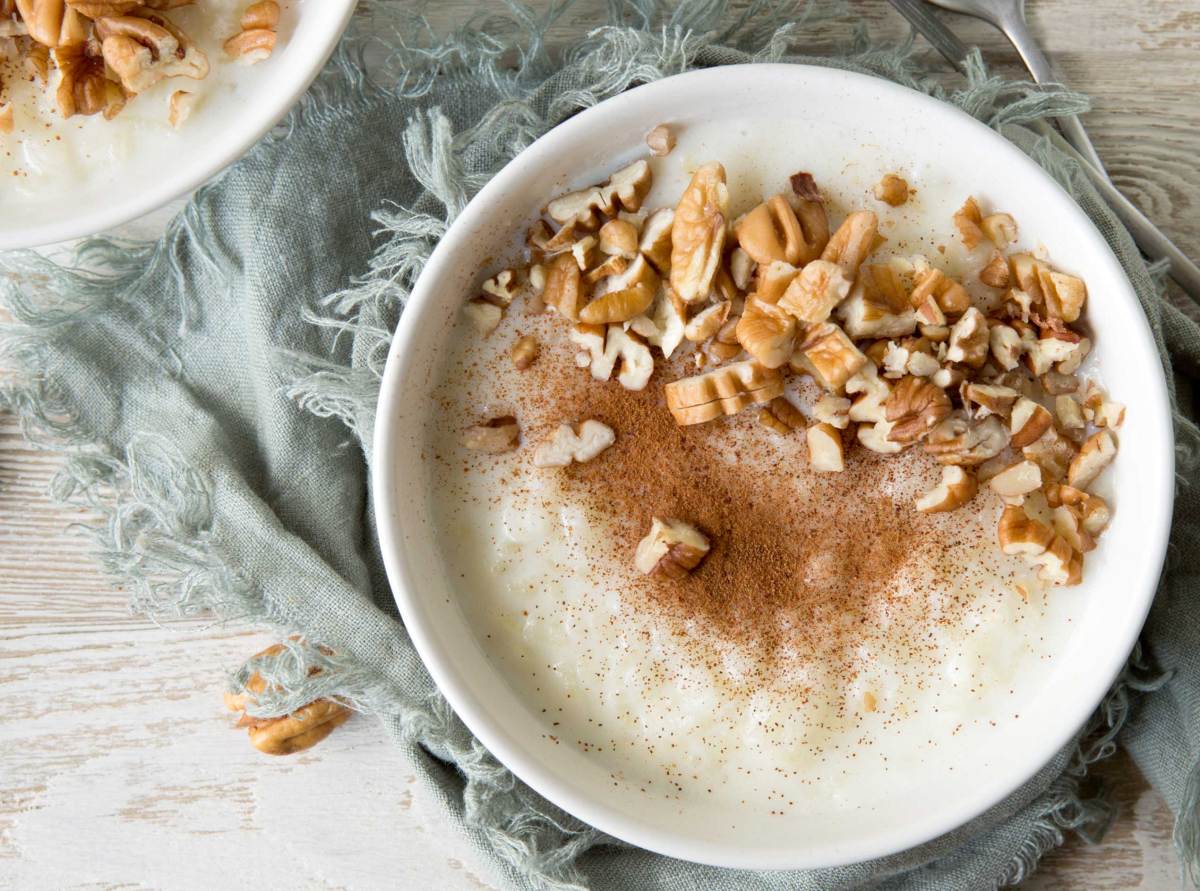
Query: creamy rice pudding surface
x,y
48,154
830,633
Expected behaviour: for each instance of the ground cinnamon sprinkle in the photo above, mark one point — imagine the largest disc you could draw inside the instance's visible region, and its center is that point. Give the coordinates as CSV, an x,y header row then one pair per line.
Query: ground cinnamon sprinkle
x,y
799,561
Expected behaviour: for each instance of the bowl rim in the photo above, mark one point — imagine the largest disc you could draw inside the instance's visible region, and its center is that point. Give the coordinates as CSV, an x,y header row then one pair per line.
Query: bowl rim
x,y
508,747
102,216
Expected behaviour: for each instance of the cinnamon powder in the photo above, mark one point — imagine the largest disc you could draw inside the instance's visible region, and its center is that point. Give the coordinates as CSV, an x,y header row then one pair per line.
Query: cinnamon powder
x,y
799,561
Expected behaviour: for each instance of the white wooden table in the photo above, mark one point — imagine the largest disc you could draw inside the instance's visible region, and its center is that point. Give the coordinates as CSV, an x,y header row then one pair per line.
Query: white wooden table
x,y
119,766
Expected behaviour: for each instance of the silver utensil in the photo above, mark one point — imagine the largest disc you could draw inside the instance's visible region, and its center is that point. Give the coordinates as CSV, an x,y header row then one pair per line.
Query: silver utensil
x,y
1148,237
1009,17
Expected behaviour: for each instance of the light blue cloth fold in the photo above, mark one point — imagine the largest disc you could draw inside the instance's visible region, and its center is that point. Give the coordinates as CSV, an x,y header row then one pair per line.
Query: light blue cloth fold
x,y
215,392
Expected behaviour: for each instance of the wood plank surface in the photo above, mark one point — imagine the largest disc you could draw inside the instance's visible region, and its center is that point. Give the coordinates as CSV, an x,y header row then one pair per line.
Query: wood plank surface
x,y
118,765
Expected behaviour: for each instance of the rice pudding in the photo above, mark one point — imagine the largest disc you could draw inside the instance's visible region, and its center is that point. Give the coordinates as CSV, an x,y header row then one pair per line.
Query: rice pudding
x,y
70,119
720,573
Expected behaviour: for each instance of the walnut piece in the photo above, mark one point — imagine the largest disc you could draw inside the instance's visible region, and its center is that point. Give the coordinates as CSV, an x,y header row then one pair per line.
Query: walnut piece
x,y
179,107
1030,420
722,391
707,322
1021,534
771,232
660,141
624,190
956,488
1000,228
493,436
830,356
566,445
484,316
969,339
781,416
698,233
1094,455
52,23
524,352
915,407
825,452
144,47
607,346
631,295
286,734
813,294
655,243
263,15
1017,481
84,87
852,242
967,220
672,548
565,289
766,332
892,189
957,440
252,46
951,297
878,305
995,273
619,238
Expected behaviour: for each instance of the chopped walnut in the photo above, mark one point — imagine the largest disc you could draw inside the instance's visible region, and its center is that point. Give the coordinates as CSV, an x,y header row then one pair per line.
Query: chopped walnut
x,y
771,232
84,87
633,293
892,189
1094,455
607,346
852,242
969,339
484,316
967,219
624,190
698,233
995,273
566,445
524,352
672,548
825,452
950,296
813,294
915,407
144,47
958,440
722,391
781,416
833,410
179,108
956,488
1018,480
766,332
1001,230
830,356
494,436
660,140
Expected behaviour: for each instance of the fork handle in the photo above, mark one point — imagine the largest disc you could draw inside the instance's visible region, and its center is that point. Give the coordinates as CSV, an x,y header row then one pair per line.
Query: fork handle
x,y
1148,237
1039,66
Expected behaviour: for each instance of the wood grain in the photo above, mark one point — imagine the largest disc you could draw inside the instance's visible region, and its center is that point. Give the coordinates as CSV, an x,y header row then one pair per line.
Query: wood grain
x,y
118,765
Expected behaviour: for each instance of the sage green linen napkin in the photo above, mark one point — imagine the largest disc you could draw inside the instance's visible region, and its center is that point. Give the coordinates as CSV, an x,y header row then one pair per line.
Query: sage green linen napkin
x,y
215,394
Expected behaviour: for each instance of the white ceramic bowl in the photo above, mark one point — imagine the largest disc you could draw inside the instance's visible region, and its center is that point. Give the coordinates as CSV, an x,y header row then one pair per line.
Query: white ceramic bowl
x,y
857,126
225,126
